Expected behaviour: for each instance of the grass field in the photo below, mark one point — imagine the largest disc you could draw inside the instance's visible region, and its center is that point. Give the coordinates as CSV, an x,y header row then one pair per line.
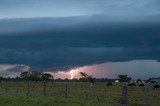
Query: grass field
x,y
78,94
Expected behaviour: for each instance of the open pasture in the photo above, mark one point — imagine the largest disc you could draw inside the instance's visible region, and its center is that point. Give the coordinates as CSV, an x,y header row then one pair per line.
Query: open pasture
x,y
74,94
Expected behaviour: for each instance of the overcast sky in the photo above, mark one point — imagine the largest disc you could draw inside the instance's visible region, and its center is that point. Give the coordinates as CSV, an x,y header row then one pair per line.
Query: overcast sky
x,y
53,35
65,8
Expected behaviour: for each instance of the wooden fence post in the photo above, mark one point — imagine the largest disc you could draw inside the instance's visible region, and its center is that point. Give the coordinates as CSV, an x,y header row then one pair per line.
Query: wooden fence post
x,y
44,88
91,89
5,88
124,99
17,86
91,94
28,86
145,95
66,90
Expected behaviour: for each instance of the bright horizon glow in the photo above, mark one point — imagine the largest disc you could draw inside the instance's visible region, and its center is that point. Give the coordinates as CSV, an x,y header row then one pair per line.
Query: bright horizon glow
x,y
143,69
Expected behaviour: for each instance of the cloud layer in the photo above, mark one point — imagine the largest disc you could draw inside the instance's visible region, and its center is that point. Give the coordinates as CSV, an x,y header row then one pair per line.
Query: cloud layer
x,y
61,44
63,8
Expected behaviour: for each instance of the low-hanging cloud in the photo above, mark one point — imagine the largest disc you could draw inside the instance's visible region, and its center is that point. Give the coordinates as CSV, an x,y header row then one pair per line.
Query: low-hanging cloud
x,y
48,45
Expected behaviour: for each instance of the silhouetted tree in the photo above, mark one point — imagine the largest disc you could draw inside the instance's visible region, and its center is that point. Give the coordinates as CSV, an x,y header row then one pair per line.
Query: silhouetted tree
x,y
46,76
1,78
124,78
25,75
35,76
87,77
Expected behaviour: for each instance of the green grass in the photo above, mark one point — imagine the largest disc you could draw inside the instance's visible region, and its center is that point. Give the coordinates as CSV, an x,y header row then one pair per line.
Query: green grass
x,y
78,95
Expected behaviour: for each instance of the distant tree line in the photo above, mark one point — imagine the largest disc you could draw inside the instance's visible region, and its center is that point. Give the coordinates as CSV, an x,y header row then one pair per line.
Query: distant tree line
x,y
30,76
35,76
40,76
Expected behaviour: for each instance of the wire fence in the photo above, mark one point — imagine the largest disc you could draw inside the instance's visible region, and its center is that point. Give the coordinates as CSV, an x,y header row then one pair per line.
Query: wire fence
x,y
135,95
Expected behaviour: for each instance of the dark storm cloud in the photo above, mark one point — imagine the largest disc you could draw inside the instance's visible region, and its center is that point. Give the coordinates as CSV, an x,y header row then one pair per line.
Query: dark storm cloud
x,y
64,43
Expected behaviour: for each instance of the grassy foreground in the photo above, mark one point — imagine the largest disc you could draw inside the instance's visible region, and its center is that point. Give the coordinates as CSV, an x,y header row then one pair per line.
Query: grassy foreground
x,y
78,94
32,100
